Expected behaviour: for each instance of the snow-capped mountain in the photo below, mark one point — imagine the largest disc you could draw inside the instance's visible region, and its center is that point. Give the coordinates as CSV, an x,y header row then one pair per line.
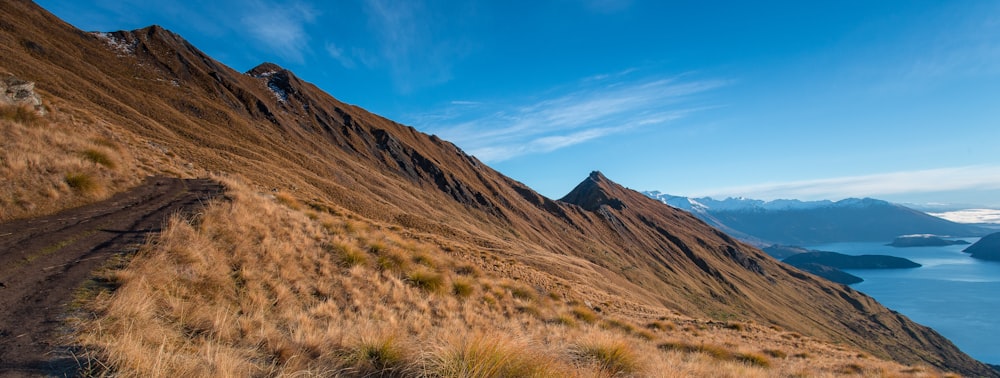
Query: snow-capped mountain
x,y
795,222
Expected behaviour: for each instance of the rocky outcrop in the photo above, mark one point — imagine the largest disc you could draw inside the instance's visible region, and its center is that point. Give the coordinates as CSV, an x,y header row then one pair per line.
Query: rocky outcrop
x,y
18,92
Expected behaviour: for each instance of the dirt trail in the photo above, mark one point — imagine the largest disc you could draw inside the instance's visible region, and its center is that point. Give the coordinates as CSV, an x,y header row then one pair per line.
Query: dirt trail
x,y
43,261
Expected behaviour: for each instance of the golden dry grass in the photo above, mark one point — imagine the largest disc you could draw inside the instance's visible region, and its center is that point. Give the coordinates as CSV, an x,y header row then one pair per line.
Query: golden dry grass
x,y
257,286
53,162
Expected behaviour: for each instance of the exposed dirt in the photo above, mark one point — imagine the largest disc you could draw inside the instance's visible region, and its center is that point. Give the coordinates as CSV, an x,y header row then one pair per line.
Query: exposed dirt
x,y
44,260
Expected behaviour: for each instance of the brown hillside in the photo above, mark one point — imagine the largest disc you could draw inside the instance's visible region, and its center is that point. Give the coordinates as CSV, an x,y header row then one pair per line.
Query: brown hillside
x,y
180,112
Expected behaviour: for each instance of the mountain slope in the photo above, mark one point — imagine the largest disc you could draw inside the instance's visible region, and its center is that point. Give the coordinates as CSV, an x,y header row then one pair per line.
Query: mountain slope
x,y
180,112
792,222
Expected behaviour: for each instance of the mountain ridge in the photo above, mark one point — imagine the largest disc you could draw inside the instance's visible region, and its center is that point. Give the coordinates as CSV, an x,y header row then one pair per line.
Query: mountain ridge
x,y
794,222
175,107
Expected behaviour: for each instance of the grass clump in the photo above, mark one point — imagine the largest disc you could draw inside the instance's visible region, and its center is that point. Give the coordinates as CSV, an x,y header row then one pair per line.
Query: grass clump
x,y
495,356
82,182
566,320
739,327
584,314
20,114
347,256
462,288
391,260
426,280
522,292
662,326
379,357
99,157
616,358
754,359
288,200
619,325
776,353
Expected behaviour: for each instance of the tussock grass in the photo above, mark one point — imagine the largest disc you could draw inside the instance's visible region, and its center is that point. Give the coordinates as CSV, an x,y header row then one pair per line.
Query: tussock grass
x,y
256,288
613,357
462,287
346,254
491,356
83,182
585,314
55,162
426,280
381,356
662,325
24,115
99,157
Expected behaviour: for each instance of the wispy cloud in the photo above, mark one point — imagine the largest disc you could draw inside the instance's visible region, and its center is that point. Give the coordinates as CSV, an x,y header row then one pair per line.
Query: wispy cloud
x,y
280,27
597,107
978,177
416,52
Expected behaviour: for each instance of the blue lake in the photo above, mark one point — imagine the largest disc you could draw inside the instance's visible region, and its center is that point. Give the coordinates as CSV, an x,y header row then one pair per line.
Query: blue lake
x,y
954,294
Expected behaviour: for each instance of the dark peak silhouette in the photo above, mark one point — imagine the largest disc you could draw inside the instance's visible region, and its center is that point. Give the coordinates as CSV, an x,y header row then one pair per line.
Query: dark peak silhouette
x,y
595,191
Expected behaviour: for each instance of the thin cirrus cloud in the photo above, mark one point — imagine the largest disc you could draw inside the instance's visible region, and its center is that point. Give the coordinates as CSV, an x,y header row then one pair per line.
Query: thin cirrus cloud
x,y
280,27
597,108
978,177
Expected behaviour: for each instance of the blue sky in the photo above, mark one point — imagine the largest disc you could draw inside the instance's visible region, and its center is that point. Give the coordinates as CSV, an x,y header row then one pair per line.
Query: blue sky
x,y
898,100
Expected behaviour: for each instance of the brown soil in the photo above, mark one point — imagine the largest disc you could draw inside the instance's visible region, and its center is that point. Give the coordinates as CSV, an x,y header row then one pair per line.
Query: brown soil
x,y
44,260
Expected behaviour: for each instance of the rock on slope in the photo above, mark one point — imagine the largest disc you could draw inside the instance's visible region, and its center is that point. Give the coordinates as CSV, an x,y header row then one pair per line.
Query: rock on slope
x,y
194,115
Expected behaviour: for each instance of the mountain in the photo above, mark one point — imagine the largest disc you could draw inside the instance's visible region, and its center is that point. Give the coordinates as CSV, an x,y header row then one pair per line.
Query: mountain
x,y
167,108
987,248
794,222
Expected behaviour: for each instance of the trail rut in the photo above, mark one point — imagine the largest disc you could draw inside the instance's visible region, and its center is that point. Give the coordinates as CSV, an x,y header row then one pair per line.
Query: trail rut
x,y
43,260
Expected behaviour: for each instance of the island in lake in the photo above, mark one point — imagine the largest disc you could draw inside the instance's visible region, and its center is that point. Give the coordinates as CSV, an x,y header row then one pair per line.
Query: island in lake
x,y
829,264
987,248
924,240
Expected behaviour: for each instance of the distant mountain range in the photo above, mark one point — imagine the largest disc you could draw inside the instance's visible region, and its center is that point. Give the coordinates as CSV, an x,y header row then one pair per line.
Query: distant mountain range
x,y
794,222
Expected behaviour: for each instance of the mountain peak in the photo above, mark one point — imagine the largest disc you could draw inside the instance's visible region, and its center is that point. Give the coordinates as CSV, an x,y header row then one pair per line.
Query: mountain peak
x,y
266,69
594,192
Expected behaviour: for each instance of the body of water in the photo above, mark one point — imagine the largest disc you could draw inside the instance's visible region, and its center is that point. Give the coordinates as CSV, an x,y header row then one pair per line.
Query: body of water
x,y
956,295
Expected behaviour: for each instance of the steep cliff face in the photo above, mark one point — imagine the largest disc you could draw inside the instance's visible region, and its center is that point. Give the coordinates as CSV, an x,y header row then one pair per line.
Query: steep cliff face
x,y
280,132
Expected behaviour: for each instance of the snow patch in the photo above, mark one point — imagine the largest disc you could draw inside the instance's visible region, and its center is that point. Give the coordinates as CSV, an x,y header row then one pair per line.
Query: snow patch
x,y
123,47
278,92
